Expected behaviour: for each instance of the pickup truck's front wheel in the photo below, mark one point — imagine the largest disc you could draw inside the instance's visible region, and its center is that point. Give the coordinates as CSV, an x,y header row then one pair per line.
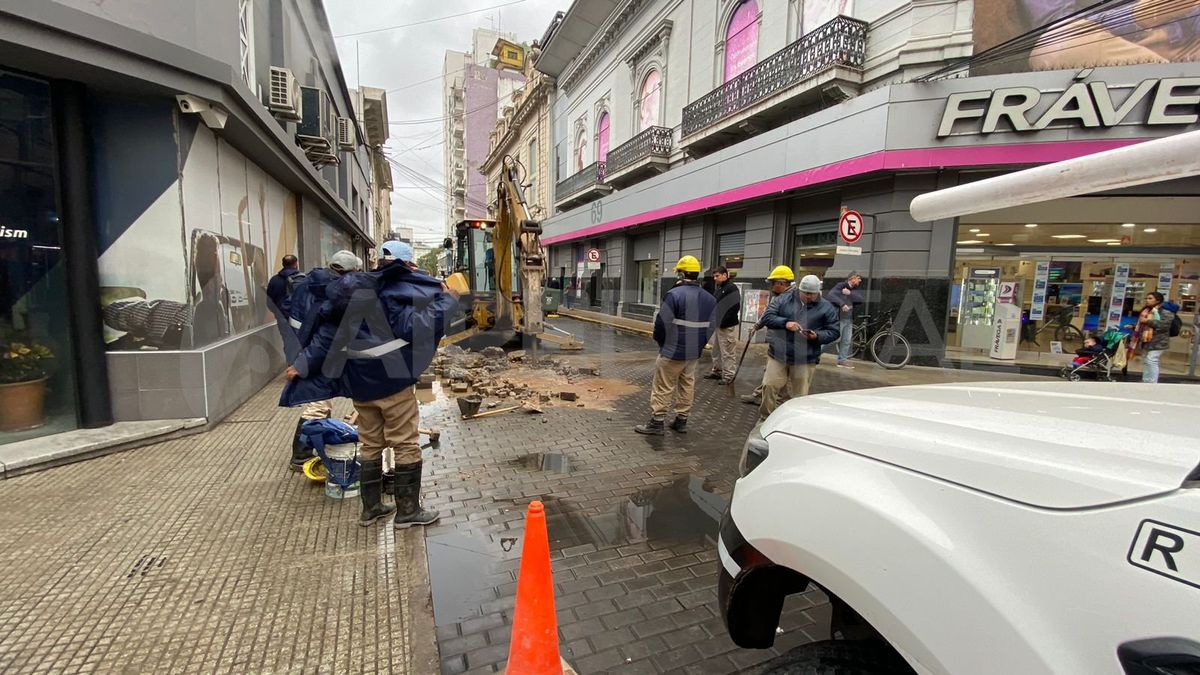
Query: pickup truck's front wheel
x,y
839,657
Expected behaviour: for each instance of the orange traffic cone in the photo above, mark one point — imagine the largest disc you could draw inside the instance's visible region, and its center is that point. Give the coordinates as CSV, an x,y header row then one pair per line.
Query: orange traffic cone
x,y
534,648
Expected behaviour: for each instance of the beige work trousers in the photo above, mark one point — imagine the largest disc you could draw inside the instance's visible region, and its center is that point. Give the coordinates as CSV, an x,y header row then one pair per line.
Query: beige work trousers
x,y
724,353
673,379
779,379
390,422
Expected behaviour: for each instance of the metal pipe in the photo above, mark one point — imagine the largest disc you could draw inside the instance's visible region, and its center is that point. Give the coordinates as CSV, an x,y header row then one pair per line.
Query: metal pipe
x,y
1153,161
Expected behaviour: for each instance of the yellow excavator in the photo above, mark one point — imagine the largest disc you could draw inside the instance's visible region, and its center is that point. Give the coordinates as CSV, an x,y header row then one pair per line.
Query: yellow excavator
x,y
500,268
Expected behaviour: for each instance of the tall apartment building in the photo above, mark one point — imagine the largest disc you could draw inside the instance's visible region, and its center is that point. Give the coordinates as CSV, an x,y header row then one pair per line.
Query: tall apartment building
x,y
156,162
738,131
370,104
473,95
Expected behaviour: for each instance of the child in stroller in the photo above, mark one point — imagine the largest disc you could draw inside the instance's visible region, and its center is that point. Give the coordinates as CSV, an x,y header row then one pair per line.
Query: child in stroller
x,y
1095,356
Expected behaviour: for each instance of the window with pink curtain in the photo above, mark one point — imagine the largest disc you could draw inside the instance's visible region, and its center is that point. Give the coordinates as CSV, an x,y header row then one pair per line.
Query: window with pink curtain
x,y
649,100
741,40
602,141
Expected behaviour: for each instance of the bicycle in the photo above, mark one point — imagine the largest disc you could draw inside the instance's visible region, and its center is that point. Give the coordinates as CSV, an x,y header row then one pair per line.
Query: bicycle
x,y
1064,331
880,339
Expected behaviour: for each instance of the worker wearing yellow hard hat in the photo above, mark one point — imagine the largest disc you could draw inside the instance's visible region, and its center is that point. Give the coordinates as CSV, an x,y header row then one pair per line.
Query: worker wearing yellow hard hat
x,y
781,279
682,327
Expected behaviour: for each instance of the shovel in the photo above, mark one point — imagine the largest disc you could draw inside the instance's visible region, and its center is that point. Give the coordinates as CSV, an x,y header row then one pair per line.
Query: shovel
x,y
729,388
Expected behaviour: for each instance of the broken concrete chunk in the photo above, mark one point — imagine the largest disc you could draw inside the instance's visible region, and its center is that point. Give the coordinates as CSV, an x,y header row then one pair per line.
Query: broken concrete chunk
x,y
493,353
518,355
568,395
426,381
459,388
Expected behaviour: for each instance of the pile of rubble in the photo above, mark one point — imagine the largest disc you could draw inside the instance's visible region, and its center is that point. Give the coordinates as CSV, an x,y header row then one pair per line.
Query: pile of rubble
x,y
495,373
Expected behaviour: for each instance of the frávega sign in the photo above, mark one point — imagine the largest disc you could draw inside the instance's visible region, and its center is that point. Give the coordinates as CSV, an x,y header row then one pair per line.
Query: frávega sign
x,y
1174,100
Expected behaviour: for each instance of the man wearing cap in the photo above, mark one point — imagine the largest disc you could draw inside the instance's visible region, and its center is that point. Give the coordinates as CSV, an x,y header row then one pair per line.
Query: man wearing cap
x,y
728,316
302,314
683,326
781,280
393,251
800,322
376,333
845,298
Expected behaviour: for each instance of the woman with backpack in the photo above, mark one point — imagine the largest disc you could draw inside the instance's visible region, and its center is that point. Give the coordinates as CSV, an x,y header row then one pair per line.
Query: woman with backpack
x,y
1154,329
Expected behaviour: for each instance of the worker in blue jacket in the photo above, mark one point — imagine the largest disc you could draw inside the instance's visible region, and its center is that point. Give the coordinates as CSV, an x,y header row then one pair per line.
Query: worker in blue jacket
x,y
297,328
800,323
376,333
683,326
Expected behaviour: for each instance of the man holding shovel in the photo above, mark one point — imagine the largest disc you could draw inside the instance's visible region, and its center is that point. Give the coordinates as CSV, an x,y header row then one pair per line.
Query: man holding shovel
x,y
781,280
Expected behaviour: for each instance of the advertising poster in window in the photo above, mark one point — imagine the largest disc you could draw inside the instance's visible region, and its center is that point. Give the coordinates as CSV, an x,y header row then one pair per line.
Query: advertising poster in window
x,y
1166,274
1138,31
741,40
1037,308
1116,302
754,303
235,224
817,13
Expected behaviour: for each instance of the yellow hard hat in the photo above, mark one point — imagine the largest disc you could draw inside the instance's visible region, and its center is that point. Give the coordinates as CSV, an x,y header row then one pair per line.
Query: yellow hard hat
x,y
688,264
782,273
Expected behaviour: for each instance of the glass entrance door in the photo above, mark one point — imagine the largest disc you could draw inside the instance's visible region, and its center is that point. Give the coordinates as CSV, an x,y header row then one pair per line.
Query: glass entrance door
x,y
37,384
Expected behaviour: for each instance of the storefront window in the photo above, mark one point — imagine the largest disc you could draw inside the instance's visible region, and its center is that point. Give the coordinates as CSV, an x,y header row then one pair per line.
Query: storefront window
x,y
731,250
648,282
37,395
814,250
1062,277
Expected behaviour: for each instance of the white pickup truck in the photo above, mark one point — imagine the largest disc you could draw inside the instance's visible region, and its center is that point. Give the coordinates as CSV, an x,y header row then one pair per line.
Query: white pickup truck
x,y
969,529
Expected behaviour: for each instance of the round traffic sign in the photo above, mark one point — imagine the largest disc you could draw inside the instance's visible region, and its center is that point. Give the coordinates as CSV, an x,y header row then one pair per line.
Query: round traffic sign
x,y
593,255
851,226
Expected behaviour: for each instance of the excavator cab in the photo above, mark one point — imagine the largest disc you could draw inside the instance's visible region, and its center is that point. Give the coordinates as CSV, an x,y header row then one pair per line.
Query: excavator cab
x,y
499,269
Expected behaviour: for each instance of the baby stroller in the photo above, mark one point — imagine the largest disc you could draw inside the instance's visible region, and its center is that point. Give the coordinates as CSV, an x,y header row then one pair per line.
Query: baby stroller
x,y
1099,363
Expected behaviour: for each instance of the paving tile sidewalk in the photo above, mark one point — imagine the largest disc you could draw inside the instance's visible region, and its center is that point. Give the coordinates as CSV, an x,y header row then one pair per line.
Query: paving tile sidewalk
x,y
205,554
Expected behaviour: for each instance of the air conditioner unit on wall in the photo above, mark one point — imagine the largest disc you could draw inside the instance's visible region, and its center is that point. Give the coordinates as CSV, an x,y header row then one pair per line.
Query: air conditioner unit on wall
x,y
285,99
345,134
315,132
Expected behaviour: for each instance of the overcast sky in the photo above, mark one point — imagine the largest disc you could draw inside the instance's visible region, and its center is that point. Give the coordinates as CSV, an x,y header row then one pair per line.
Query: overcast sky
x,y
401,60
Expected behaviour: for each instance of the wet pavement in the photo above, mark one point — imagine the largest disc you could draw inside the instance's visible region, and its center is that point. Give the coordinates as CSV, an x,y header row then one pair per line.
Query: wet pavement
x,y
204,554
632,520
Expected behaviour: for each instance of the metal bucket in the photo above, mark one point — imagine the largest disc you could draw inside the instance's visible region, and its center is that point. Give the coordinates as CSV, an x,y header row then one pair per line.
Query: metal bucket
x,y
469,405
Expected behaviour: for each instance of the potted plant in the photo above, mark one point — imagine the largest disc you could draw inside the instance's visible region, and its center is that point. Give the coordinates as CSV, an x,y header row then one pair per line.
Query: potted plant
x,y
22,384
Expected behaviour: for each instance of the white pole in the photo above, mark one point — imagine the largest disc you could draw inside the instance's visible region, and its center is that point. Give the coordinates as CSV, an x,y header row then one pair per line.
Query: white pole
x,y
1149,162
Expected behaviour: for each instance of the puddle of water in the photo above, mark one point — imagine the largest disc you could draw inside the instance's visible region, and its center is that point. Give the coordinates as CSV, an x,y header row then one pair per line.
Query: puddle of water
x,y
686,509
550,462
459,568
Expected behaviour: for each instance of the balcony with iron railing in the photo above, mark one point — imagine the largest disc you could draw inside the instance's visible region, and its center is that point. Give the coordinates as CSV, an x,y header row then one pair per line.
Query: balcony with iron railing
x,y
642,156
584,186
821,68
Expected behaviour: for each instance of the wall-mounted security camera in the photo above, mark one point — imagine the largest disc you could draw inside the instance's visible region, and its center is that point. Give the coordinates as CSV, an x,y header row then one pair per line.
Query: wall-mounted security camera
x,y
214,116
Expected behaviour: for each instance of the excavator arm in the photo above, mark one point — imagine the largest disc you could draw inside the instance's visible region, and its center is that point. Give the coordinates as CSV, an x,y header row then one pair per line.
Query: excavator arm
x,y
516,231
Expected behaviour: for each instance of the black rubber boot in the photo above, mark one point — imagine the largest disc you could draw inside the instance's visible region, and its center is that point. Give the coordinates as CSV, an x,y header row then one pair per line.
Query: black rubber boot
x,y
655,427
371,479
679,424
409,511
301,453
389,483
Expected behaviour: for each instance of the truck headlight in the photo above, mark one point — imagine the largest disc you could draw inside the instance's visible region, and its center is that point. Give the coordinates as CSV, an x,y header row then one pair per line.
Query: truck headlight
x,y
753,453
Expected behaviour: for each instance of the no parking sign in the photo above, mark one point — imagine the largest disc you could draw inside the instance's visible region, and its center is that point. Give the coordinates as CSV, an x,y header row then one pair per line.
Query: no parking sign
x,y
851,226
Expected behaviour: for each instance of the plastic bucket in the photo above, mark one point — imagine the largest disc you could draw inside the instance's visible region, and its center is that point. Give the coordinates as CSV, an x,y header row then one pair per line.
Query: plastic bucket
x,y
341,467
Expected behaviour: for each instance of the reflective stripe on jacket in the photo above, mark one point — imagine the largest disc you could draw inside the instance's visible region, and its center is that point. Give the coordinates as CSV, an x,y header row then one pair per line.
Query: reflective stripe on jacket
x,y
684,322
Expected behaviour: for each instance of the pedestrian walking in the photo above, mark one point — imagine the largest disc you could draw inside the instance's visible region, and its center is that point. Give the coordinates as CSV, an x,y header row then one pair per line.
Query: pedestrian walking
x,y
780,280
379,373
845,297
728,314
303,309
682,327
1154,334
801,322
279,290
